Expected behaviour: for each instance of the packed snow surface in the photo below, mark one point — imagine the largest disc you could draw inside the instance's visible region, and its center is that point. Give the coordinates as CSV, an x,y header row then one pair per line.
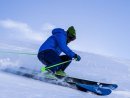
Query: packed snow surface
x,y
92,67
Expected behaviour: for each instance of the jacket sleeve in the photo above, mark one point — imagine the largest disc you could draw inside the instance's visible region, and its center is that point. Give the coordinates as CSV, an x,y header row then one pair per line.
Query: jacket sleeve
x,y
61,40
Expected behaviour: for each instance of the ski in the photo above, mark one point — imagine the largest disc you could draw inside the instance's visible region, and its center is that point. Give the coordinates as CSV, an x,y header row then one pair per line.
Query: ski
x,y
70,82
88,82
94,89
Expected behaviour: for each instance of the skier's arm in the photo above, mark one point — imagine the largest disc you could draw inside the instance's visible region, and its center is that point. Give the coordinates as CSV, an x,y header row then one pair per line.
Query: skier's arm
x,y
61,40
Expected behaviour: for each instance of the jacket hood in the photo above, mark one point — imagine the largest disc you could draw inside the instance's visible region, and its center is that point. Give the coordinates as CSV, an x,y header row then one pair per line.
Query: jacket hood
x,y
58,30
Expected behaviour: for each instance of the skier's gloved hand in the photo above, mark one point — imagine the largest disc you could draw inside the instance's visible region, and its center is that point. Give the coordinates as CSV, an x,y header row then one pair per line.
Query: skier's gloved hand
x,y
77,57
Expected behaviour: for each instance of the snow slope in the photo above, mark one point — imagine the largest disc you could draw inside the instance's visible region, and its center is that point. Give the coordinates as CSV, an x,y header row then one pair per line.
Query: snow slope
x,y
92,66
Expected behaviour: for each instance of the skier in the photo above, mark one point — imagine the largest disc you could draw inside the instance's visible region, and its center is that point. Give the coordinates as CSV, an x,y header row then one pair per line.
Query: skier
x,y
50,50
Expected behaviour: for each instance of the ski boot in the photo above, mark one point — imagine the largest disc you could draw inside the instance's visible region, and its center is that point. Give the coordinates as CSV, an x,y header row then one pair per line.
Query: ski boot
x,y
50,75
60,73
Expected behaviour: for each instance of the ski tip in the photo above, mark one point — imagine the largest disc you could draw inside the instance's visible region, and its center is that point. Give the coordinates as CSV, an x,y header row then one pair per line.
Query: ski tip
x,y
104,92
94,89
114,86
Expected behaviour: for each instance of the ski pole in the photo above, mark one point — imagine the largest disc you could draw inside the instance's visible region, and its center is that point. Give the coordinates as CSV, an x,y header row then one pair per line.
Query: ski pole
x,y
18,53
43,69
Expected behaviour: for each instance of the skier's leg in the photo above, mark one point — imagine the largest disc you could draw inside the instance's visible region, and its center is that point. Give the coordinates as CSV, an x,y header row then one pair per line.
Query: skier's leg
x,y
50,57
65,58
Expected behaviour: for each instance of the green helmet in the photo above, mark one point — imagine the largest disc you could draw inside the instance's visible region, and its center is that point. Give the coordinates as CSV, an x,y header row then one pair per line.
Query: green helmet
x,y
71,33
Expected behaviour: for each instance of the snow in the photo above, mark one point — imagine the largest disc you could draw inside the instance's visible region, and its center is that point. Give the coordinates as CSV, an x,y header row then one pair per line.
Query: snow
x,y
92,66
12,86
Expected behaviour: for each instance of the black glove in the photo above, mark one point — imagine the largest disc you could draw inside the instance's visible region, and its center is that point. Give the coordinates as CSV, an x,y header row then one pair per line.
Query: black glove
x,y
77,57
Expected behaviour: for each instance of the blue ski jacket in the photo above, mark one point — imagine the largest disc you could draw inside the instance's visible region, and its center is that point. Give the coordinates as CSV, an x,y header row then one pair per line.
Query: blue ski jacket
x,y
57,42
